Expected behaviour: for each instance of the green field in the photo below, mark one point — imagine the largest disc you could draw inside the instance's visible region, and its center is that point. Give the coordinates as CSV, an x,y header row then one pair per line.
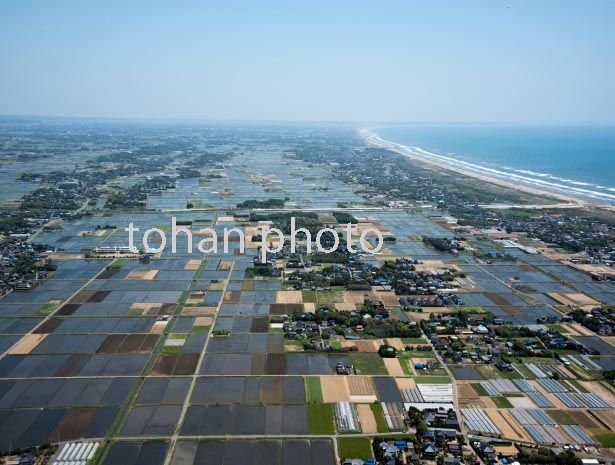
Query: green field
x,y
423,354
405,365
354,448
414,340
510,375
314,392
501,402
432,379
46,309
198,204
171,349
320,419
119,262
322,297
561,417
474,309
481,390
606,439
381,423
367,364
490,371
134,312
578,386
200,329
526,372
558,328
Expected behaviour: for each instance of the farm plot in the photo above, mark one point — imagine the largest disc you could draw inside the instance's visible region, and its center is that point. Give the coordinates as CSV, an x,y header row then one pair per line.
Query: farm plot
x,y
577,434
27,344
542,429
289,297
255,452
157,391
142,274
320,419
478,421
313,364
198,311
346,417
367,364
466,373
334,389
227,364
94,326
175,364
64,365
393,367
128,343
361,389
136,453
42,393
507,425
387,389
466,391
223,419
426,395
157,420
31,427
596,343
237,390
285,308
394,415
69,344
583,419
605,417
275,364
246,343
362,345
83,422
572,298
367,419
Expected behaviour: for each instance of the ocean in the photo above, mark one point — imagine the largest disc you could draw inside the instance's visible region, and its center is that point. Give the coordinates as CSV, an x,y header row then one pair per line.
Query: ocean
x,y
577,160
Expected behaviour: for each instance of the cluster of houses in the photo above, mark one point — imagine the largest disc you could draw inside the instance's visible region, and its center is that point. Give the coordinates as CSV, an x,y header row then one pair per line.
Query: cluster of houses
x,y
479,344
440,299
443,446
406,451
16,260
66,197
486,451
599,320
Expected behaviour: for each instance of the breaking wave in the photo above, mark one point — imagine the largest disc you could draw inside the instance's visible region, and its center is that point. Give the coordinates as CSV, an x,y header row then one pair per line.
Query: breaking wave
x,y
545,181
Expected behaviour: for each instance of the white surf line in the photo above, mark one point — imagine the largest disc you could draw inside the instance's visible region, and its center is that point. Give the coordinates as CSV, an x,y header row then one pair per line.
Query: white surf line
x,y
492,172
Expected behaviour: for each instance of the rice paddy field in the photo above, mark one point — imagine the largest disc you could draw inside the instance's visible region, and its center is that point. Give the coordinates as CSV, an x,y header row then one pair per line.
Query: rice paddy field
x,y
174,357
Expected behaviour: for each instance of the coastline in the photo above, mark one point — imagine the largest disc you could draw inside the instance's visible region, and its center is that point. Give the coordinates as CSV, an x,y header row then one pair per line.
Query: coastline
x,y
567,200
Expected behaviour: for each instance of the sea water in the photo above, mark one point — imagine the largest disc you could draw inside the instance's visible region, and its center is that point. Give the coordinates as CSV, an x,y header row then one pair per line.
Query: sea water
x,y
573,159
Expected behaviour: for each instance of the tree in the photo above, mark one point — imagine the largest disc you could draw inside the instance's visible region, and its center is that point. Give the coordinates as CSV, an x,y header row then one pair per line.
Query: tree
x,y
386,351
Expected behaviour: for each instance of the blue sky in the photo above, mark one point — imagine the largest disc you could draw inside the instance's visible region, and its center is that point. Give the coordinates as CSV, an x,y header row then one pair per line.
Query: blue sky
x,y
520,61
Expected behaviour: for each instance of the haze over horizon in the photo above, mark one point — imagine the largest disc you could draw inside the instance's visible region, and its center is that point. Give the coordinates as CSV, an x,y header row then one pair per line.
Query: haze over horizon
x,y
478,61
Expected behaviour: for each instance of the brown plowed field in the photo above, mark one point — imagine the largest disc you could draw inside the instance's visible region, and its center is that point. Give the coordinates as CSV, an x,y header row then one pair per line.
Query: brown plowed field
x,y
360,386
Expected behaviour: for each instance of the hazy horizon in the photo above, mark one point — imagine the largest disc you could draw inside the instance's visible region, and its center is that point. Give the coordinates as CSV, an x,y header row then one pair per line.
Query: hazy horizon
x,y
482,62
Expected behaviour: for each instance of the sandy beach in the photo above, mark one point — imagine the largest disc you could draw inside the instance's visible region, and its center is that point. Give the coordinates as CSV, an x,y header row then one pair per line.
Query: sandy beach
x,y
567,201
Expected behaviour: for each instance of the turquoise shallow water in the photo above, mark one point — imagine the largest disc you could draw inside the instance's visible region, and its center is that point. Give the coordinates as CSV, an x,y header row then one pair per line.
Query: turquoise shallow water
x,y
576,159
